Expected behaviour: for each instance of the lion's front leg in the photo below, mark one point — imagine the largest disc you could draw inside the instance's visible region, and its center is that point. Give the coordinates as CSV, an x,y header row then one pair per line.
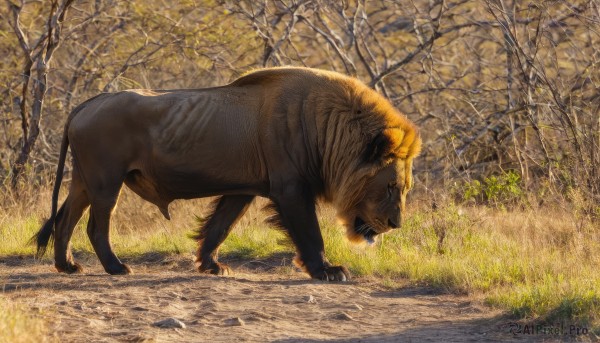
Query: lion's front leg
x,y
296,210
327,273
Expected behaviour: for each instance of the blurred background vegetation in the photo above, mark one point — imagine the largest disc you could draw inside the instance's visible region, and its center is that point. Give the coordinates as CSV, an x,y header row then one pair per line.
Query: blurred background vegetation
x,y
502,90
507,193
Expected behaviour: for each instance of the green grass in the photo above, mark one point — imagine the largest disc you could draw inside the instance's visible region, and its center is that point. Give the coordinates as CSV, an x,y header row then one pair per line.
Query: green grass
x,y
551,276
535,265
554,298
15,232
255,242
16,235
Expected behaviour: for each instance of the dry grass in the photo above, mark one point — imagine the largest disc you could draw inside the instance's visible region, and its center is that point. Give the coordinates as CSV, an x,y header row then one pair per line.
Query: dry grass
x,y
535,263
19,326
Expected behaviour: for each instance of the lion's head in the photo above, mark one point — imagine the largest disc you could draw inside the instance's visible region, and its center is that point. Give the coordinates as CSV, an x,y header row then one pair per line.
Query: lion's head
x,y
381,207
378,203
370,174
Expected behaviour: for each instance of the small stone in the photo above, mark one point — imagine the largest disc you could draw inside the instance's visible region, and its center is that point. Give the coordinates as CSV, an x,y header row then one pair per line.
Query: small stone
x,y
357,307
139,308
343,316
237,321
310,299
170,323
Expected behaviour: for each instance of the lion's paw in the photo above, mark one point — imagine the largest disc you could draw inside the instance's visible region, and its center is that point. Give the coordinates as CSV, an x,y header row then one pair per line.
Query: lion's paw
x,y
215,268
119,269
69,268
333,273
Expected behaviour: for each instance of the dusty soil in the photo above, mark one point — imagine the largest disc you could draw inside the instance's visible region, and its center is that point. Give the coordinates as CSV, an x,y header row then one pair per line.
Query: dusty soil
x,y
257,304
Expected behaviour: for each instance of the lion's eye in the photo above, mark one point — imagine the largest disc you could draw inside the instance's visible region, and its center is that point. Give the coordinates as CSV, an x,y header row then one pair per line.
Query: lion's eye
x,y
391,187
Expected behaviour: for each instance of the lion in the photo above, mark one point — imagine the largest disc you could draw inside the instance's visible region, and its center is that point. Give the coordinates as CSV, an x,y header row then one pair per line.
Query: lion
x,y
293,135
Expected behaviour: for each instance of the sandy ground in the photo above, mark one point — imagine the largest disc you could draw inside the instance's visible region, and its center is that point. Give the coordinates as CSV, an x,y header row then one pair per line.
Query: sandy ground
x,y
257,304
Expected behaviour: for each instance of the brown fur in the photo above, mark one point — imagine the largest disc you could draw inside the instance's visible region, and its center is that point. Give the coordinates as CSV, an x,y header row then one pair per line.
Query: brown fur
x,y
290,134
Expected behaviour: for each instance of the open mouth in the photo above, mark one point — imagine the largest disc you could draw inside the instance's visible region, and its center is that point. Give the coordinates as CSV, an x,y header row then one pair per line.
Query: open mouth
x,y
365,230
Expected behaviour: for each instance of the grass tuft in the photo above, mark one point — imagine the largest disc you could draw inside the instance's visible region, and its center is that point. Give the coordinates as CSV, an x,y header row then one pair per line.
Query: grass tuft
x,y
18,326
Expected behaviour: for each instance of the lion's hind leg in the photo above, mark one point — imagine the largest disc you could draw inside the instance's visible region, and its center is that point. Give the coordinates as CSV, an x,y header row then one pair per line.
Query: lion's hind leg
x,y
103,191
228,209
68,216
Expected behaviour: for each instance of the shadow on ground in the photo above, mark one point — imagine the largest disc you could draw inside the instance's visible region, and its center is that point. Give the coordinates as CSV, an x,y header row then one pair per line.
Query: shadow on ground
x,y
170,261
273,305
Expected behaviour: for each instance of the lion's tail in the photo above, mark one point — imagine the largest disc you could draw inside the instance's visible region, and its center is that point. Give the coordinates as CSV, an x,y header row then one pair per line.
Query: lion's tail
x,y
46,233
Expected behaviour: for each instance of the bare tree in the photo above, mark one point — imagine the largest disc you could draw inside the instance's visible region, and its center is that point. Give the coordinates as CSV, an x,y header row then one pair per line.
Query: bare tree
x,y
496,86
38,55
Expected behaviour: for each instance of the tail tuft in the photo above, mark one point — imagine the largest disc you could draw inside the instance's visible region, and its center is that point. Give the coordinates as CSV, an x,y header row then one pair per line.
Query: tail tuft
x,y
43,237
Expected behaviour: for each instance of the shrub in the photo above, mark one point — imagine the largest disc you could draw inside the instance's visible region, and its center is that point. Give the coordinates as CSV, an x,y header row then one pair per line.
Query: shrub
x,y
496,190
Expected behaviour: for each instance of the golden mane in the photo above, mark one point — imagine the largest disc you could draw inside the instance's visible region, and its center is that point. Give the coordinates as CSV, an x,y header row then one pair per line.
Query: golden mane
x,y
350,116
399,129
369,114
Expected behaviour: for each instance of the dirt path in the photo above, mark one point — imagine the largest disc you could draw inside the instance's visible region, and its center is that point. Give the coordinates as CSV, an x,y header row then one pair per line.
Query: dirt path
x,y
254,305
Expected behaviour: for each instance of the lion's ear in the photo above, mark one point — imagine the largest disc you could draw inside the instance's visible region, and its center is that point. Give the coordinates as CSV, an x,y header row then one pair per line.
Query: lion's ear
x,y
378,149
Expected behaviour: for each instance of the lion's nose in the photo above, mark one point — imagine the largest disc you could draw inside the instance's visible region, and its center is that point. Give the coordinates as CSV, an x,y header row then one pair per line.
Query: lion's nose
x,y
394,223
